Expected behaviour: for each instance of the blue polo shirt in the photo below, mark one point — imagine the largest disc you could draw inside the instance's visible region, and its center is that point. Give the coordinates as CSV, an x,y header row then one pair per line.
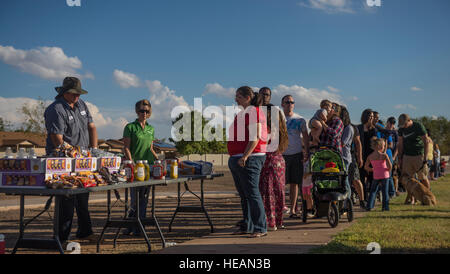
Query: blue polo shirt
x,y
72,124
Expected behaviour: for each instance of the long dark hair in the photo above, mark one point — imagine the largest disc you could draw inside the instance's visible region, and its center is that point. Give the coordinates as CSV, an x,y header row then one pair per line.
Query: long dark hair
x,y
256,98
345,116
365,115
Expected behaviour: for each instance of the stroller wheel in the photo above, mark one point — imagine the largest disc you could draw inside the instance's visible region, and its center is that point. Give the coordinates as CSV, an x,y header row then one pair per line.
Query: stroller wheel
x,y
333,214
349,210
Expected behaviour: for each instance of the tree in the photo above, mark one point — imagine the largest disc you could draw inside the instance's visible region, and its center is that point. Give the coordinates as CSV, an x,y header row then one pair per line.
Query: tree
x,y
5,125
34,117
439,131
188,146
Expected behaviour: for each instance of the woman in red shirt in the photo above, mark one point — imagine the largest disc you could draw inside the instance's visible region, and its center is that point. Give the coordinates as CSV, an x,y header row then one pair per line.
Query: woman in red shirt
x,y
247,149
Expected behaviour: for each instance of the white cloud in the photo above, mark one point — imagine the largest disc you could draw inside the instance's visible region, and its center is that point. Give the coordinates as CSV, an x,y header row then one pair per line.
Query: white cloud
x,y
107,127
125,79
49,63
329,6
416,88
218,90
308,98
333,89
163,101
405,106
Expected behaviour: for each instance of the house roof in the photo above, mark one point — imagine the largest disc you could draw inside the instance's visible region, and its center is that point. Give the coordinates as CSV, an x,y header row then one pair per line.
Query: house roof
x,y
14,138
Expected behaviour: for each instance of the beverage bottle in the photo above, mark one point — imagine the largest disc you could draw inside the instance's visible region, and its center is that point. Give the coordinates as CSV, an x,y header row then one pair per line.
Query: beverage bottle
x,y
147,170
140,171
129,170
174,170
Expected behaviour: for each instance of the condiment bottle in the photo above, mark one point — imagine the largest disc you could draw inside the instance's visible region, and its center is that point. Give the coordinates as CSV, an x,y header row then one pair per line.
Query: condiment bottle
x,y
140,171
158,170
174,170
147,170
129,170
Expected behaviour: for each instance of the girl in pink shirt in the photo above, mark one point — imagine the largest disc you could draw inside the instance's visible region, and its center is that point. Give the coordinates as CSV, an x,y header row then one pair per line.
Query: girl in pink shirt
x,y
381,167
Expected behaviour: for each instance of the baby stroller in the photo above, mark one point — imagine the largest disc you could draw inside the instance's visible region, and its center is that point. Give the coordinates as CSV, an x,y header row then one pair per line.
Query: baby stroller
x,y
328,192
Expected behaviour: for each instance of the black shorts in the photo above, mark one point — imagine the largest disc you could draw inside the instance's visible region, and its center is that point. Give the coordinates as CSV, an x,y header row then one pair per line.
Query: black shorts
x,y
294,168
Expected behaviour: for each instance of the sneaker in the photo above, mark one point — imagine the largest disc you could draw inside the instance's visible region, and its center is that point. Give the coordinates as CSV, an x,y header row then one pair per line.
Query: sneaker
x,y
281,227
310,213
272,228
286,210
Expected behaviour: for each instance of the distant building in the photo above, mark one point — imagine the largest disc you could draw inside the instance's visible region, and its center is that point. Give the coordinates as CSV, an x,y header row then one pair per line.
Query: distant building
x,y
26,140
112,145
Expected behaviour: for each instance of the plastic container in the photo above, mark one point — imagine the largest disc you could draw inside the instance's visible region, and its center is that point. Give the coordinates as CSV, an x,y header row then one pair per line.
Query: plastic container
x,y
174,169
147,170
140,171
158,170
2,244
9,153
129,170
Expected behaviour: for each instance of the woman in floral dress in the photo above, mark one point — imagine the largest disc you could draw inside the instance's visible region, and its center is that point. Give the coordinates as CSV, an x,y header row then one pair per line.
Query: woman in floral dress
x,y
272,180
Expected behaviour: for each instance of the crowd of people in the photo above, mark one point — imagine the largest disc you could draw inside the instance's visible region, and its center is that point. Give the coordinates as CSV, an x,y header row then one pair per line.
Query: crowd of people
x,y
373,154
376,156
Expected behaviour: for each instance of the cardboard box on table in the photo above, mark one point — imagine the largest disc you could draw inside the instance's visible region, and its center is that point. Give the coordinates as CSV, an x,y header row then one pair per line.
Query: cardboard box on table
x,y
32,172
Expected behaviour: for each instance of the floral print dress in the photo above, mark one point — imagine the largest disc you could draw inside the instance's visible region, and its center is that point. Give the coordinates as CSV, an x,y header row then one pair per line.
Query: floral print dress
x,y
271,186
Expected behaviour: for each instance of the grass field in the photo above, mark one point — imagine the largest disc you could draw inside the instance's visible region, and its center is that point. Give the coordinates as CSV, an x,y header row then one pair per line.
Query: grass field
x,y
403,229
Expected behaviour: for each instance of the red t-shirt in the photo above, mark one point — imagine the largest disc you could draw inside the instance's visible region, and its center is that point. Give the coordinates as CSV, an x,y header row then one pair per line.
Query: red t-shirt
x,y
245,123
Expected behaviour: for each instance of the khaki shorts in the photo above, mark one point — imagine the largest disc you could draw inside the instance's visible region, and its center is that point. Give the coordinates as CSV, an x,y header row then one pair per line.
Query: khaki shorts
x,y
411,166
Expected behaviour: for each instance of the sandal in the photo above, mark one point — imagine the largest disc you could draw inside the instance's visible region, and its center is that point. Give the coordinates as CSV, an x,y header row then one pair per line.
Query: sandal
x,y
258,235
294,216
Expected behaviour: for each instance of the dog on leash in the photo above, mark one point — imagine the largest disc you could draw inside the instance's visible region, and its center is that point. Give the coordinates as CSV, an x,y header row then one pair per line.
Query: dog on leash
x,y
416,191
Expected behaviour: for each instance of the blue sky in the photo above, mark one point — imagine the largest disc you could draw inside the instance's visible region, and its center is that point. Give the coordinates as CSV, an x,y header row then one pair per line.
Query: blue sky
x,y
394,58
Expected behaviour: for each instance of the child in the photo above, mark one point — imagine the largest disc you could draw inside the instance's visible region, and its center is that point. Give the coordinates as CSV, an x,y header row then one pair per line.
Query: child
x,y
381,173
307,185
318,122
443,164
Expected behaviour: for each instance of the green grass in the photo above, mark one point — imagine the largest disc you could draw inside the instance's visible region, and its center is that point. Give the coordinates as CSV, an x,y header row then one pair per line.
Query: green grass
x,y
403,229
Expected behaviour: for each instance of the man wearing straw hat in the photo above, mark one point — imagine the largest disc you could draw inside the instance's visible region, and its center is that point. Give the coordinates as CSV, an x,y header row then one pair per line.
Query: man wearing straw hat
x,y
68,120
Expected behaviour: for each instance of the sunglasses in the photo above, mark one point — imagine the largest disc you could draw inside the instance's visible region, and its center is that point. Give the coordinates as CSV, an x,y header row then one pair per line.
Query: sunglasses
x,y
290,102
144,111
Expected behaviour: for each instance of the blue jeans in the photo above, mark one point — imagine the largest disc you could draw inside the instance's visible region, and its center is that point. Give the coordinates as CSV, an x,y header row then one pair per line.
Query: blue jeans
x,y
348,189
384,185
142,203
246,180
391,187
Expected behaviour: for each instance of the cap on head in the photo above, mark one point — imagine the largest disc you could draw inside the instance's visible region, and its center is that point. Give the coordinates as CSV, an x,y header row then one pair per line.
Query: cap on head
x,y
71,85
403,119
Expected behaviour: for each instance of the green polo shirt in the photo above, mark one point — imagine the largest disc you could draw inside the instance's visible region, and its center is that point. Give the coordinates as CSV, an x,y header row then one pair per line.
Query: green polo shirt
x,y
141,141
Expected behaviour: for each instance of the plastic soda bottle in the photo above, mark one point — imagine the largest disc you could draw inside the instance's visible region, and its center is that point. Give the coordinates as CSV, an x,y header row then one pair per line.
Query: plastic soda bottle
x,y
140,171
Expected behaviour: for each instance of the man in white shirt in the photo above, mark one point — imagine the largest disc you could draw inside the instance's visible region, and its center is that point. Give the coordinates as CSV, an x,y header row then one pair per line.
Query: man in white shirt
x,y
294,155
